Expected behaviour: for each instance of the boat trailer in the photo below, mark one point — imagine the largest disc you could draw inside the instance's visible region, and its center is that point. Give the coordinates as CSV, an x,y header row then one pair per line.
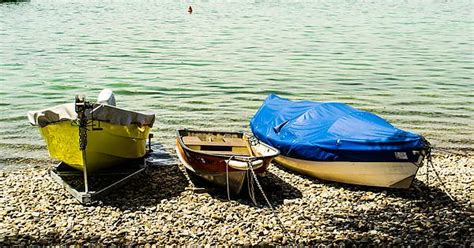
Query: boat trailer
x,y
77,183
70,179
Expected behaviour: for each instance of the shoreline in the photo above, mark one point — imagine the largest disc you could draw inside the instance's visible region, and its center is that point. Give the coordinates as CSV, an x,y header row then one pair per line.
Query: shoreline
x,y
158,208
40,156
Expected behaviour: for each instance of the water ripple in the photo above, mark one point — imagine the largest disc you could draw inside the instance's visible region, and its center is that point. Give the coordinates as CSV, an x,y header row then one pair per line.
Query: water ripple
x,y
212,69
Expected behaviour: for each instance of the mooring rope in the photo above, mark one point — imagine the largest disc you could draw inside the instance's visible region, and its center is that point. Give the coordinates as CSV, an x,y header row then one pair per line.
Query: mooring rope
x,y
429,160
227,175
280,223
430,163
250,187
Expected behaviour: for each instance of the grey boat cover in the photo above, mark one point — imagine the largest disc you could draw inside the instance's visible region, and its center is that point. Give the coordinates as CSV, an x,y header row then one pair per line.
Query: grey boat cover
x,y
101,112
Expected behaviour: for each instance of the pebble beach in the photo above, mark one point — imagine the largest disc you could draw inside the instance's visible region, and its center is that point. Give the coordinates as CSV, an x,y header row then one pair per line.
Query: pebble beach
x,y
167,206
410,62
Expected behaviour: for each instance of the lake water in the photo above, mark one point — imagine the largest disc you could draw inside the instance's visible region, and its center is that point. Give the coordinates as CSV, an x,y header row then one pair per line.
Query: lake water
x,y
410,62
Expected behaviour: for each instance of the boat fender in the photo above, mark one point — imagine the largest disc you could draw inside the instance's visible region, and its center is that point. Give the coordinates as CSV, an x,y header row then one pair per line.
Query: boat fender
x,y
106,96
243,165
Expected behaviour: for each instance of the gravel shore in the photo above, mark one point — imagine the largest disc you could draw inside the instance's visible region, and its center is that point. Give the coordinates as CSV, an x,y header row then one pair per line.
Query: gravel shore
x,y
159,208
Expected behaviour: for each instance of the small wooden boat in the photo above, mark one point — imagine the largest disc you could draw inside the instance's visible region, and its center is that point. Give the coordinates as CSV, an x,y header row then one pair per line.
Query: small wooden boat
x,y
223,158
114,136
335,142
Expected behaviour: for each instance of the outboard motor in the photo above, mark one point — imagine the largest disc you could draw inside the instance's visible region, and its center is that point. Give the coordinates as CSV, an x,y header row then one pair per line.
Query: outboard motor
x,y
106,96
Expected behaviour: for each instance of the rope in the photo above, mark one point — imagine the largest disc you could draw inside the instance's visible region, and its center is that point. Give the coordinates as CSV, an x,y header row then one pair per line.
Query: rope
x,y
430,163
227,176
427,174
250,187
429,158
280,223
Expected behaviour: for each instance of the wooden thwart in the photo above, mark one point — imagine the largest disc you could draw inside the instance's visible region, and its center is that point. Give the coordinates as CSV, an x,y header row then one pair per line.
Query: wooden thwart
x,y
228,142
238,153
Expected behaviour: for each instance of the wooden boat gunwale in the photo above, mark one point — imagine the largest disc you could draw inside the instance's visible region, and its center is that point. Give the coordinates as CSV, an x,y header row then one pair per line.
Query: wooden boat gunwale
x,y
225,156
212,166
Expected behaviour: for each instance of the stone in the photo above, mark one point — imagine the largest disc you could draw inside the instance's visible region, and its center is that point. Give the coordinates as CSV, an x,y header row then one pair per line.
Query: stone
x,y
153,211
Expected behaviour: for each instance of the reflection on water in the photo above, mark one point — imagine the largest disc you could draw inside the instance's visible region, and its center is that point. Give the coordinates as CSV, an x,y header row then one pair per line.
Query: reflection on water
x,y
410,62
13,1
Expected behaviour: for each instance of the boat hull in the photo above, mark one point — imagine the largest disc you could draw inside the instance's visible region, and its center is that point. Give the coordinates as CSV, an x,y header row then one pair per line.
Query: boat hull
x,y
378,174
111,146
236,178
216,169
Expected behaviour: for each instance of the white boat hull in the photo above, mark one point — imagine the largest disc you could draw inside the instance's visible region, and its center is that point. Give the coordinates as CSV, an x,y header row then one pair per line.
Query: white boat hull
x,y
379,174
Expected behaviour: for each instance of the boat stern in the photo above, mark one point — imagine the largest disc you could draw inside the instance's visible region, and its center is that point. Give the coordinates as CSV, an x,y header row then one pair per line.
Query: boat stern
x,y
111,145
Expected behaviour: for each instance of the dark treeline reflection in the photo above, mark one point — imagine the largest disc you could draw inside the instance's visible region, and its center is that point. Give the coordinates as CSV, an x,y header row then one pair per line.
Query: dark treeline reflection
x,y
13,1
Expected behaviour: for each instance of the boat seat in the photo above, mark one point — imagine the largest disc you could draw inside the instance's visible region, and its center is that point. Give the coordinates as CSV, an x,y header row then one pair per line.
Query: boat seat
x,y
191,140
226,153
232,142
236,141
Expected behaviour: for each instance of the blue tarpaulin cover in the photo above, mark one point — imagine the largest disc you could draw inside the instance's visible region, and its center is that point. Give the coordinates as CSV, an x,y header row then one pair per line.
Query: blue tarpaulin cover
x,y
331,131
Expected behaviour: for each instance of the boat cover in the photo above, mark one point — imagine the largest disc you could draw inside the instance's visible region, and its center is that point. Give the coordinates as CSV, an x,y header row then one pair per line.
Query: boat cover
x,y
101,112
331,131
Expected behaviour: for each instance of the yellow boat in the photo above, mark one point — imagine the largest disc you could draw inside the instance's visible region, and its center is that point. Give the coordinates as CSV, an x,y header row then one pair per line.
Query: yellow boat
x,y
114,136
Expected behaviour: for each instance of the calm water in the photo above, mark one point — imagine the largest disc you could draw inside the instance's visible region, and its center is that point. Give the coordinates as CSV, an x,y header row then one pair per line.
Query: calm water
x,y
410,62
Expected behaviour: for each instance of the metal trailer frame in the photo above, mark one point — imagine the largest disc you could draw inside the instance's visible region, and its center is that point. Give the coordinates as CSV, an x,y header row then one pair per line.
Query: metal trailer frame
x,y
86,196
62,169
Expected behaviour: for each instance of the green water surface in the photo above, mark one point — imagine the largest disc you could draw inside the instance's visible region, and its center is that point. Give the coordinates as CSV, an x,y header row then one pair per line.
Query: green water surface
x,y
410,62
